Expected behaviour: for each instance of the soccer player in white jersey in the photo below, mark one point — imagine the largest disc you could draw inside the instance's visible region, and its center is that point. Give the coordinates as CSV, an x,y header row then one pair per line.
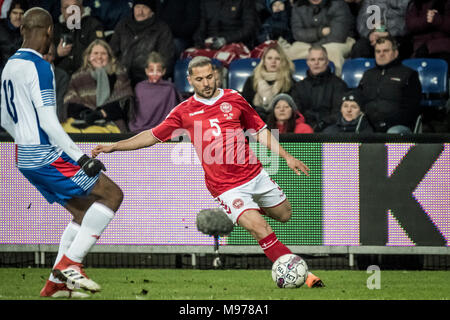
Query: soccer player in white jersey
x,y
50,160
216,120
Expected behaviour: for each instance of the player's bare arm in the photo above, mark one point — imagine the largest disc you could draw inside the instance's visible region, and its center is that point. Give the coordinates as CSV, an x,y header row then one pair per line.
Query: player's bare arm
x,y
139,141
267,139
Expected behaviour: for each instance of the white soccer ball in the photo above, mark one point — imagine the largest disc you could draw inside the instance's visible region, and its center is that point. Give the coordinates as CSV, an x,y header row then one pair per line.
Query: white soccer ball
x,y
289,271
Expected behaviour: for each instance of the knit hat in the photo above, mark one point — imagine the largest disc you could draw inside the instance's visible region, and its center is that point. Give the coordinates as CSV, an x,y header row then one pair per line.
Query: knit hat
x,y
287,98
269,3
353,95
149,3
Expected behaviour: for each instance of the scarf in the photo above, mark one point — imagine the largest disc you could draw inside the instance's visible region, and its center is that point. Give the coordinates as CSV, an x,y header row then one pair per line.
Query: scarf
x,y
265,91
102,90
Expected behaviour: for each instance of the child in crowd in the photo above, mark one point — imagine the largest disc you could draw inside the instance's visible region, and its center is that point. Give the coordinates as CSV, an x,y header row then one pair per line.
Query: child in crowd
x,y
155,97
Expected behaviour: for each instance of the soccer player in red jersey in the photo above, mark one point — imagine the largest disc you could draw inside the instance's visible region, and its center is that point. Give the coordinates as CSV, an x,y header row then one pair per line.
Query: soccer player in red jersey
x,y
217,122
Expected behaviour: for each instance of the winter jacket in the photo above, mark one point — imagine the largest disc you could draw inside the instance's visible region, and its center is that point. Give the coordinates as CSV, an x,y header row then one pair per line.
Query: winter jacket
x,y
392,95
275,26
133,41
392,17
436,35
10,41
234,20
307,21
319,98
300,125
358,125
154,101
82,95
90,30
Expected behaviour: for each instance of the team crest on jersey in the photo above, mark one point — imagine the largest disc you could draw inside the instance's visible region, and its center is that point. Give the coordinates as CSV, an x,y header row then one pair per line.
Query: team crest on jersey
x,y
226,109
238,203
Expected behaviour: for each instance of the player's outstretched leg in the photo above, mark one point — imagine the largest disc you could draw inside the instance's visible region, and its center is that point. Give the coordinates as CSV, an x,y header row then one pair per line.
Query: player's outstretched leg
x,y
103,202
273,248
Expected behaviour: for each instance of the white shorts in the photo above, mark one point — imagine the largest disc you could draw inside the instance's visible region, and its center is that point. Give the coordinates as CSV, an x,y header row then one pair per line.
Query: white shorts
x,y
260,192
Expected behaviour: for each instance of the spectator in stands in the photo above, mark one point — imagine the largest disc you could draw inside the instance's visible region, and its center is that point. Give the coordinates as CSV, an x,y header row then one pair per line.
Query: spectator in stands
x,y
155,97
324,22
225,21
391,91
109,12
100,97
71,40
10,38
272,75
352,119
428,21
62,80
278,23
319,94
389,22
218,74
138,35
285,117
355,6
183,18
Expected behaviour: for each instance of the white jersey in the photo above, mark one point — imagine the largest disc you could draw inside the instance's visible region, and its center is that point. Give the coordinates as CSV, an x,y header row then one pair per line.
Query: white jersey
x,y
27,83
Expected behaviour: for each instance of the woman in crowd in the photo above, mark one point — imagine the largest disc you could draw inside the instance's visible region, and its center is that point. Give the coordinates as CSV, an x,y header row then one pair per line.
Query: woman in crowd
x,y
285,117
273,75
99,98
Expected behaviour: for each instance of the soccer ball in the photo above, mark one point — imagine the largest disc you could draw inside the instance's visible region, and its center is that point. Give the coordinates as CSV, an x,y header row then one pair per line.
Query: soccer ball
x,y
289,271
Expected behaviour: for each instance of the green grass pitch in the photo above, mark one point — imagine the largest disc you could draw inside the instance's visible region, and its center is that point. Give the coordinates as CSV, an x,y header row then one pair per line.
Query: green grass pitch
x,y
187,284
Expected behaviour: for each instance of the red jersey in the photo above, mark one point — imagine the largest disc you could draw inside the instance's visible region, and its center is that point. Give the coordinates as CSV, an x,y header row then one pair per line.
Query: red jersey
x,y
217,128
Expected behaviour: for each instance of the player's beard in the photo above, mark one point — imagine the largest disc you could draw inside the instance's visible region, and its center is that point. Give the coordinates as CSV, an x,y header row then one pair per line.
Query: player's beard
x,y
201,93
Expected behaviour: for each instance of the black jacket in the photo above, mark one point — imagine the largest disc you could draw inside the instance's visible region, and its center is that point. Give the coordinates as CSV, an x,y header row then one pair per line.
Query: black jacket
x,y
133,41
234,20
10,41
392,95
358,125
319,98
183,17
90,30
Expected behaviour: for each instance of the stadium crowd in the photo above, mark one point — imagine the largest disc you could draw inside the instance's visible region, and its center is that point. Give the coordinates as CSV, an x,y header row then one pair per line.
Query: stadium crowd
x,y
115,65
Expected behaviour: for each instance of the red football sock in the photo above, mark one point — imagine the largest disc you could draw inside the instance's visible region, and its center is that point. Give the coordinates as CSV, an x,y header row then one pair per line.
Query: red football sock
x,y
272,247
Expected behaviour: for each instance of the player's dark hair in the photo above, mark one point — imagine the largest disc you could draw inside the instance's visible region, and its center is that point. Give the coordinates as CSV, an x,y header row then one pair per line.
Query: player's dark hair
x,y
199,61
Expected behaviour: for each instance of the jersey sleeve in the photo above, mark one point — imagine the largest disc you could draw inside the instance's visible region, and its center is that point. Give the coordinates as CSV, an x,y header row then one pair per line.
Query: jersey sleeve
x,y
171,127
250,119
43,86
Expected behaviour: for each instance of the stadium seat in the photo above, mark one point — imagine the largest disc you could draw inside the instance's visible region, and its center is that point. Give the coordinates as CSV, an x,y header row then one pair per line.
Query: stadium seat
x,y
180,75
433,75
301,67
238,72
353,70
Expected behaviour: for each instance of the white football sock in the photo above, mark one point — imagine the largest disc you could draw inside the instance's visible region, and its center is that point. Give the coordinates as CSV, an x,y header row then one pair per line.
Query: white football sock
x,y
95,220
66,240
